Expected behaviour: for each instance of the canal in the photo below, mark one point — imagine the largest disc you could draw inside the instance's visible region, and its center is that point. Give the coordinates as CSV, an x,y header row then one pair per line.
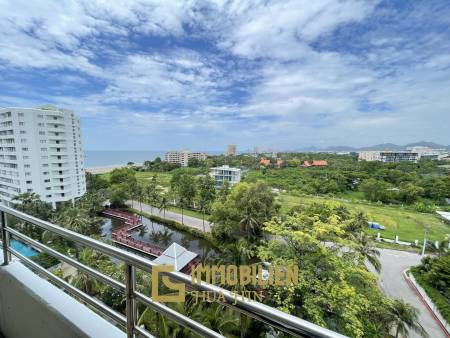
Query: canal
x,y
163,236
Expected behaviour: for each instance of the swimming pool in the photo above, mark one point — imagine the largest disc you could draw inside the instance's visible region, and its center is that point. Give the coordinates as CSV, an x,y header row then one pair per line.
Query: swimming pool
x,y
23,248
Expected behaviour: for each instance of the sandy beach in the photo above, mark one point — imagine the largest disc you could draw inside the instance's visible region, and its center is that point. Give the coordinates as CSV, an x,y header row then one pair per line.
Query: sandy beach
x,y
106,169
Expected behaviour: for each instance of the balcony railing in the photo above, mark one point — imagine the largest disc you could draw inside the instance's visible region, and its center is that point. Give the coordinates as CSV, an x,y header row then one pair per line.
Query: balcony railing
x,y
282,321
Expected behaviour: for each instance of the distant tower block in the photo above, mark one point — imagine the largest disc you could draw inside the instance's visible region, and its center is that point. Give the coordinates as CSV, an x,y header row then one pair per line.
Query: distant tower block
x,y
231,150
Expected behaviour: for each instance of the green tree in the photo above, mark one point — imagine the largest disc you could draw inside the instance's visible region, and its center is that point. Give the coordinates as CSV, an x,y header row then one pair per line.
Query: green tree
x,y
367,250
206,195
95,183
164,203
335,290
375,190
409,193
405,318
125,176
244,212
183,187
118,194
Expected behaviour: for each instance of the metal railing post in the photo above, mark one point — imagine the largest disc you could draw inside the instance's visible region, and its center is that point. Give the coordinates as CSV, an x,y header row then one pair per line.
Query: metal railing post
x,y
130,285
5,239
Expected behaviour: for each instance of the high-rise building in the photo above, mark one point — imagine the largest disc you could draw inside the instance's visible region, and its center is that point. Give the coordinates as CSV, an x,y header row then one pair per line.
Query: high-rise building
x,y
182,157
231,150
41,152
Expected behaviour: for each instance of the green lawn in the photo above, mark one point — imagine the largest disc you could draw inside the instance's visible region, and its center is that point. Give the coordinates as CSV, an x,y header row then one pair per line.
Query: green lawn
x,y
351,195
163,179
144,177
188,212
409,224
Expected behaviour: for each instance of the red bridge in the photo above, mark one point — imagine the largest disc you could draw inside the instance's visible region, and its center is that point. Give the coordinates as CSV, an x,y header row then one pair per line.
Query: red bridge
x,y
122,235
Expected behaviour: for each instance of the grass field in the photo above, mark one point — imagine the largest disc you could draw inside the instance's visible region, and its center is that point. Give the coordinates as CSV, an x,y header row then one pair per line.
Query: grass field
x,y
163,179
188,212
144,177
410,225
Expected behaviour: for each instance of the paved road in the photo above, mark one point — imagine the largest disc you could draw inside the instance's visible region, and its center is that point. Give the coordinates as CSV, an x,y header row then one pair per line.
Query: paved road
x,y
394,285
187,220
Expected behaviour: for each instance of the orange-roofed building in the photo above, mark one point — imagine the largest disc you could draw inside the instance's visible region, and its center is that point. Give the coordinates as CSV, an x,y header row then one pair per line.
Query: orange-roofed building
x,y
317,163
320,163
264,161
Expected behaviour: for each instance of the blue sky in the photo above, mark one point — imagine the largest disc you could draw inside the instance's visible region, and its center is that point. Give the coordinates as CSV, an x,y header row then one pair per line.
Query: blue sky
x,y
158,75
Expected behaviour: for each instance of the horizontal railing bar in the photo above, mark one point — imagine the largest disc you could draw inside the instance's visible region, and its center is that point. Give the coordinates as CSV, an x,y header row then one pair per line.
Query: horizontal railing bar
x,y
177,317
143,332
120,319
272,316
86,269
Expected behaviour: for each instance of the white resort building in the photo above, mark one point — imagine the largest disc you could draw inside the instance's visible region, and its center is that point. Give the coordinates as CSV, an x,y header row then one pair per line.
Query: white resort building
x,y
388,156
182,157
41,152
225,173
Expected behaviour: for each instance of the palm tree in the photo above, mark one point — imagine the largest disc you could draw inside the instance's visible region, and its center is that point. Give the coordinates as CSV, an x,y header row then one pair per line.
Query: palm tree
x,y
237,253
404,318
249,224
82,280
367,250
218,317
163,204
139,194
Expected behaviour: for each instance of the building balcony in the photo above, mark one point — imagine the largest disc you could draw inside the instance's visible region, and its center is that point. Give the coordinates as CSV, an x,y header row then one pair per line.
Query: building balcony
x,y
31,306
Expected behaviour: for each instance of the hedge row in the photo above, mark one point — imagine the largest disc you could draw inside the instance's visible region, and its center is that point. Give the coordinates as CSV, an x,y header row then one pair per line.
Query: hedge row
x,y
438,299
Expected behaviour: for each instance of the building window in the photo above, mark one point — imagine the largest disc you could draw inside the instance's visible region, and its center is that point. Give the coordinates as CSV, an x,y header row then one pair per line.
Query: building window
x,y
24,149
23,132
20,114
48,196
27,166
42,133
29,182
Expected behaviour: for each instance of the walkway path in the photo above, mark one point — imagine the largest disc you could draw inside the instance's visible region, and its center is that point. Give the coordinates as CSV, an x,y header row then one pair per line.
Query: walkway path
x,y
394,286
174,216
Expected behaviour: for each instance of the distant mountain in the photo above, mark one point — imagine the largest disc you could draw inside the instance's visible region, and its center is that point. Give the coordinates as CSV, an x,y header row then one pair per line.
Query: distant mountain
x,y
383,146
427,144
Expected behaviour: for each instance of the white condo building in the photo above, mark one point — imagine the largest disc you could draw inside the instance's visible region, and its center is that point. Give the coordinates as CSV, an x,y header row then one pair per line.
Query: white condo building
x,y
41,152
225,173
388,156
182,157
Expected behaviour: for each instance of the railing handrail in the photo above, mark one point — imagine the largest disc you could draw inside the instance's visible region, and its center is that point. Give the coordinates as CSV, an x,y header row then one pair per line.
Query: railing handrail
x,y
271,316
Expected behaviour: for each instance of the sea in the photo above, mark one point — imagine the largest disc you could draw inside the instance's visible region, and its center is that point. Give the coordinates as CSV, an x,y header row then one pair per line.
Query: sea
x,y
106,158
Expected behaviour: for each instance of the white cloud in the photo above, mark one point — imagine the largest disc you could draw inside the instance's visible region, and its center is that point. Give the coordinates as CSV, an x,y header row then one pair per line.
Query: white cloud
x,y
243,68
